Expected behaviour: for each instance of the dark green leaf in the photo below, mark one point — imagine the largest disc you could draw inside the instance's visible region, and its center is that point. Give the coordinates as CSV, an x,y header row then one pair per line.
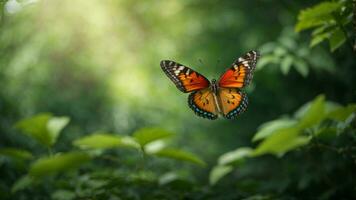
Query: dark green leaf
x,y
16,153
58,163
180,155
36,127
43,127
22,183
336,39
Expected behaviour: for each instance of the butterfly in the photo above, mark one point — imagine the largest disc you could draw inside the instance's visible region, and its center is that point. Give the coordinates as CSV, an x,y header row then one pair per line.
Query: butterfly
x,y
211,99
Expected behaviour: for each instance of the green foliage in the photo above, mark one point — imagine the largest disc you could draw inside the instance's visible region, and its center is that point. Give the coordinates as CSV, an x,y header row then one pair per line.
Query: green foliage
x,y
180,155
329,20
284,135
218,172
289,52
16,153
98,62
43,127
105,141
58,163
147,135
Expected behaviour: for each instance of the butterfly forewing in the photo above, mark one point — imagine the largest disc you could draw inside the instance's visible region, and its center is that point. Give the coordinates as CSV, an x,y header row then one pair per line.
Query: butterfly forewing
x,y
240,73
233,102
186,79
203,104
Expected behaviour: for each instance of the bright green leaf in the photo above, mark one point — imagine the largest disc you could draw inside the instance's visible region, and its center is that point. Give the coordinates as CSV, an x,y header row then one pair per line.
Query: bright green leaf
x,y
16,153
336,39
314,114
105,141
235,156
147,135
36,127
317,15
219,172
180,155
281,142
271,127
318,38
58,163
155,146
342,113
55,126
286,63
43,127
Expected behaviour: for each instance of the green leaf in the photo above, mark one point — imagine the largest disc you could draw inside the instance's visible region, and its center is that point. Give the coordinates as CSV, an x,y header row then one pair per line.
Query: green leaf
x,y
314,114
281,142
286,64
301,66
147,135
267,59
36,127
16,153
219,172
237,155
336,39
342,113
55,126
271,127
167,178
180,155
317,15
155,146
43,127
58,163
22,183
105,141
318,38
280,51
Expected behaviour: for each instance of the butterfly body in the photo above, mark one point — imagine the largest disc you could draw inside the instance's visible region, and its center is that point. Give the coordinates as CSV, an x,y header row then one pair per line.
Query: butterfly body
x,y
216,98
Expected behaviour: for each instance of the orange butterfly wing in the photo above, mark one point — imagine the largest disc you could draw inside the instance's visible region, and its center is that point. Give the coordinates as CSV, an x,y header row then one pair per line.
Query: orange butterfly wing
x,y
185,79
233,102
203,104
241,72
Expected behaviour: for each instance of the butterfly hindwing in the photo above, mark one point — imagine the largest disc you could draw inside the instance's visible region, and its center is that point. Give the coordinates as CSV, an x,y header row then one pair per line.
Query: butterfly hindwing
x,y
240,73
203,104
233,102
186,79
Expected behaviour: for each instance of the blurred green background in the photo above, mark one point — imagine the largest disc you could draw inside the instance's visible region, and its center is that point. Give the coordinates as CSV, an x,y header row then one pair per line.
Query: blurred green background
x,y
97,62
